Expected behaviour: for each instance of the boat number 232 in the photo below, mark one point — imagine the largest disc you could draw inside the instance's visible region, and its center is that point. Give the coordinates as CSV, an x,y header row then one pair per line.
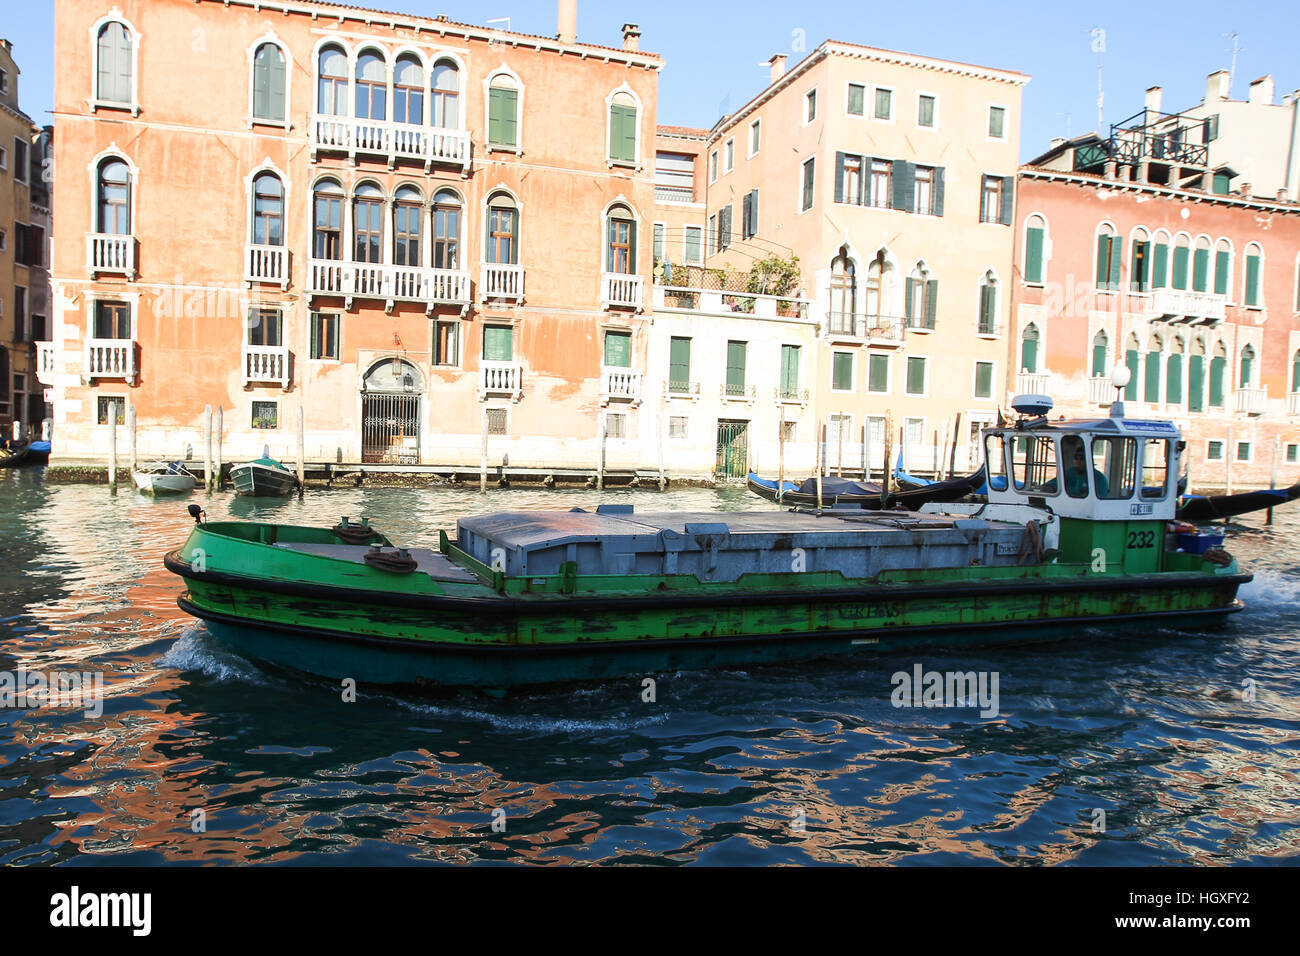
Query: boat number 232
x,y
1141,539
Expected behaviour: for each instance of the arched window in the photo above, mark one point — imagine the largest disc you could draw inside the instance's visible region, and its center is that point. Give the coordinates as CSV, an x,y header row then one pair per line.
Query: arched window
x,y
1100,346
1218,375
1247,377
1035,243
1201,265
1295,372
1110,252
268,83
446,230
372,87
268,210
920,298
1182,255
367,223
1029,349
332,95
114,198
1132,361
622,128
114,64
1155,346
1160,260
1222,267
620,241
988,318
503,230
1174,373
446,96
327,221
1196,377
408,215
844,292
1139,273
408,90
1253,294
503,112
877,274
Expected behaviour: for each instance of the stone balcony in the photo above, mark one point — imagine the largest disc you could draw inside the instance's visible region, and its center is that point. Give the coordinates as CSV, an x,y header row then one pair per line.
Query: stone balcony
x,y
501,281
620,384
392,141
618,291
392,283
1101,390
500,378
1184,304
265,364
853,329
110,254
1250,401
110,358
1031,383
268,264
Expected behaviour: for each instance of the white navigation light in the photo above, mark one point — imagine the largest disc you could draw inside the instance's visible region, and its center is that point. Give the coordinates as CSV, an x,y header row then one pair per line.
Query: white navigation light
x,y
1121,375
1032,404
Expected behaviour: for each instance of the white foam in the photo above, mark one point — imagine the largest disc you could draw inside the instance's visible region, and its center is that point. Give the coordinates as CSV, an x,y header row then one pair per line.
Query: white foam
x,y
196,650
1271,589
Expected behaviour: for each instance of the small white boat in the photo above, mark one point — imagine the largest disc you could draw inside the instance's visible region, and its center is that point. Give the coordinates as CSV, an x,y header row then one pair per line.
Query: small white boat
x,y
164,477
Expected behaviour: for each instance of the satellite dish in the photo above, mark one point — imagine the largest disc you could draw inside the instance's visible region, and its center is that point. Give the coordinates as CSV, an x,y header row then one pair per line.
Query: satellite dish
x,y
1034,405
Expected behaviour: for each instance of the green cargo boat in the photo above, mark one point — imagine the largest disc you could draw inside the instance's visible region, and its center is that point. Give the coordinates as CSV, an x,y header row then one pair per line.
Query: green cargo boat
x,y
1077,532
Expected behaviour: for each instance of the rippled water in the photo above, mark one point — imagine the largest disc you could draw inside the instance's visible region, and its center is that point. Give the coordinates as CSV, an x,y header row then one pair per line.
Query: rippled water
x,y
779,764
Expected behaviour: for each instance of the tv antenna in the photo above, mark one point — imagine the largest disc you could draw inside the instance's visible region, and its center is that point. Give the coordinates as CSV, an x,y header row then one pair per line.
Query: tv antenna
x,y
1098,35
1232,71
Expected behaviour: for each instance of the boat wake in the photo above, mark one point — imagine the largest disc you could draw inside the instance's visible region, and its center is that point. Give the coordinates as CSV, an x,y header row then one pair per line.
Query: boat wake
x,y
195,650
531,722
1271,589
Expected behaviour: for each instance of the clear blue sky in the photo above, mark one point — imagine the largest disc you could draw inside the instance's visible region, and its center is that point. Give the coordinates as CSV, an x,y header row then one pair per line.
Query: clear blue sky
x,y
713,49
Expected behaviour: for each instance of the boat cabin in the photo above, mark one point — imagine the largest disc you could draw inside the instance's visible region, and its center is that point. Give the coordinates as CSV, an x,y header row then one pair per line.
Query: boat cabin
x,y
1112,482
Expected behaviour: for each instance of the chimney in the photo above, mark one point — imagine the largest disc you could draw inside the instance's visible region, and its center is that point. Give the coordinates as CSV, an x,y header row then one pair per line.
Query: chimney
x,y
777,63
631,37
568,22
1155,96
1261,90
1216,87
1058,141
1244,189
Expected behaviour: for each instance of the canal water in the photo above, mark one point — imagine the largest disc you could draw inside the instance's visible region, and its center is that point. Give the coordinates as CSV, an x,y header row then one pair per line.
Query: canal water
x,y
1148,748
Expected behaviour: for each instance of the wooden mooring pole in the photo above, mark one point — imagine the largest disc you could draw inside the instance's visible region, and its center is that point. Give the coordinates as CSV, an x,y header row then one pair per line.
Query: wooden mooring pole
x,y
302,448
220,429
130,431
482,469
207,447
600,460
112,446
1272,479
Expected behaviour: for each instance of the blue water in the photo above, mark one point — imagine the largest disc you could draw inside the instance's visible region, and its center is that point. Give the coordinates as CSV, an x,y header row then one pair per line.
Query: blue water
x,y
782,764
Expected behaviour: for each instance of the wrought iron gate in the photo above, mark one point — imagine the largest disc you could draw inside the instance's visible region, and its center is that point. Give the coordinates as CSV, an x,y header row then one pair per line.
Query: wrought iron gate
x,y
390,429
733,450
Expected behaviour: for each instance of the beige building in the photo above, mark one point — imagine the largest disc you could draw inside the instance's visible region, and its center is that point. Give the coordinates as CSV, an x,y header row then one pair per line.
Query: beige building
x,y
24,231
891,178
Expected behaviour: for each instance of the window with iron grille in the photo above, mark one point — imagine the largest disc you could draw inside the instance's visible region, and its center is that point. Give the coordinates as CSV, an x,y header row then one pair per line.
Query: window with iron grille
x,y
677,426
111,408
616,425
790,431
497,421
266,415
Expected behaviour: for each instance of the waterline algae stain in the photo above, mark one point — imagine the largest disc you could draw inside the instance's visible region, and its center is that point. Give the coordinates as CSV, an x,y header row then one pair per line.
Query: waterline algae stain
x,y
1134,748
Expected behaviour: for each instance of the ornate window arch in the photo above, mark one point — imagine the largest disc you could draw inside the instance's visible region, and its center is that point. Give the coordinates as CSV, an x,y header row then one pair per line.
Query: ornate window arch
x,y
408,88
329,228
270,65
115,63
623,127
503,96
333,79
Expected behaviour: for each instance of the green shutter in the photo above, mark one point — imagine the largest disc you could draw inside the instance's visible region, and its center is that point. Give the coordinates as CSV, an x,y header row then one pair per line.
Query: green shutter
x,y
503,117
1180,267
498,343
1103,261
915,375
1252,280
1140,270
1152,392
1174,380
1159,265
1008,200
1116,256
679,363
618,349
1247,370
1222,263
1218,366
931,302
988,297
909,291
1098,361
735,366
1029,354
842,371
1201,270
622,133
878,373
1195,383
316,320
839,179
1131,390
790,370
983,379
1034,255
1295,373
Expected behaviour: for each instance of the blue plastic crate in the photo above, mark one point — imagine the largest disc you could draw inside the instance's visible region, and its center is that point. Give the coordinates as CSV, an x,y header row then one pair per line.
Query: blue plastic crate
x,y
1199,542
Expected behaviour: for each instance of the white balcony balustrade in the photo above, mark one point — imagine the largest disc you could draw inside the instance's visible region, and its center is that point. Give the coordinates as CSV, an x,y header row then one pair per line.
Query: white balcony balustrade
x,y
1031,383
1101,390
1292,403
884,330
266,363
393,141
268,264
620,291
392,283
45,362
619,384
498,281
500,378
1182,303
107,253
1251,401
110,358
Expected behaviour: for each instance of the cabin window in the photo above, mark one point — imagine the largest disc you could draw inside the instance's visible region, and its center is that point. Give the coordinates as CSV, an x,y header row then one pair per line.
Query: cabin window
x,y
997,463
1033,462
1114,462
1155,467
1074,457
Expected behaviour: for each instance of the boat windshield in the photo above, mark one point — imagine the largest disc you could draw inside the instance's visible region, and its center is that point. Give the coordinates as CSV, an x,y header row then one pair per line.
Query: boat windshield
x,y
1155,467
996,462
1033,462
1114,463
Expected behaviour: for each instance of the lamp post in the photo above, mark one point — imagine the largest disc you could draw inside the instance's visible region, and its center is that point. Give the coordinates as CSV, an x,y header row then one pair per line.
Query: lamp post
x,y
1120,376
